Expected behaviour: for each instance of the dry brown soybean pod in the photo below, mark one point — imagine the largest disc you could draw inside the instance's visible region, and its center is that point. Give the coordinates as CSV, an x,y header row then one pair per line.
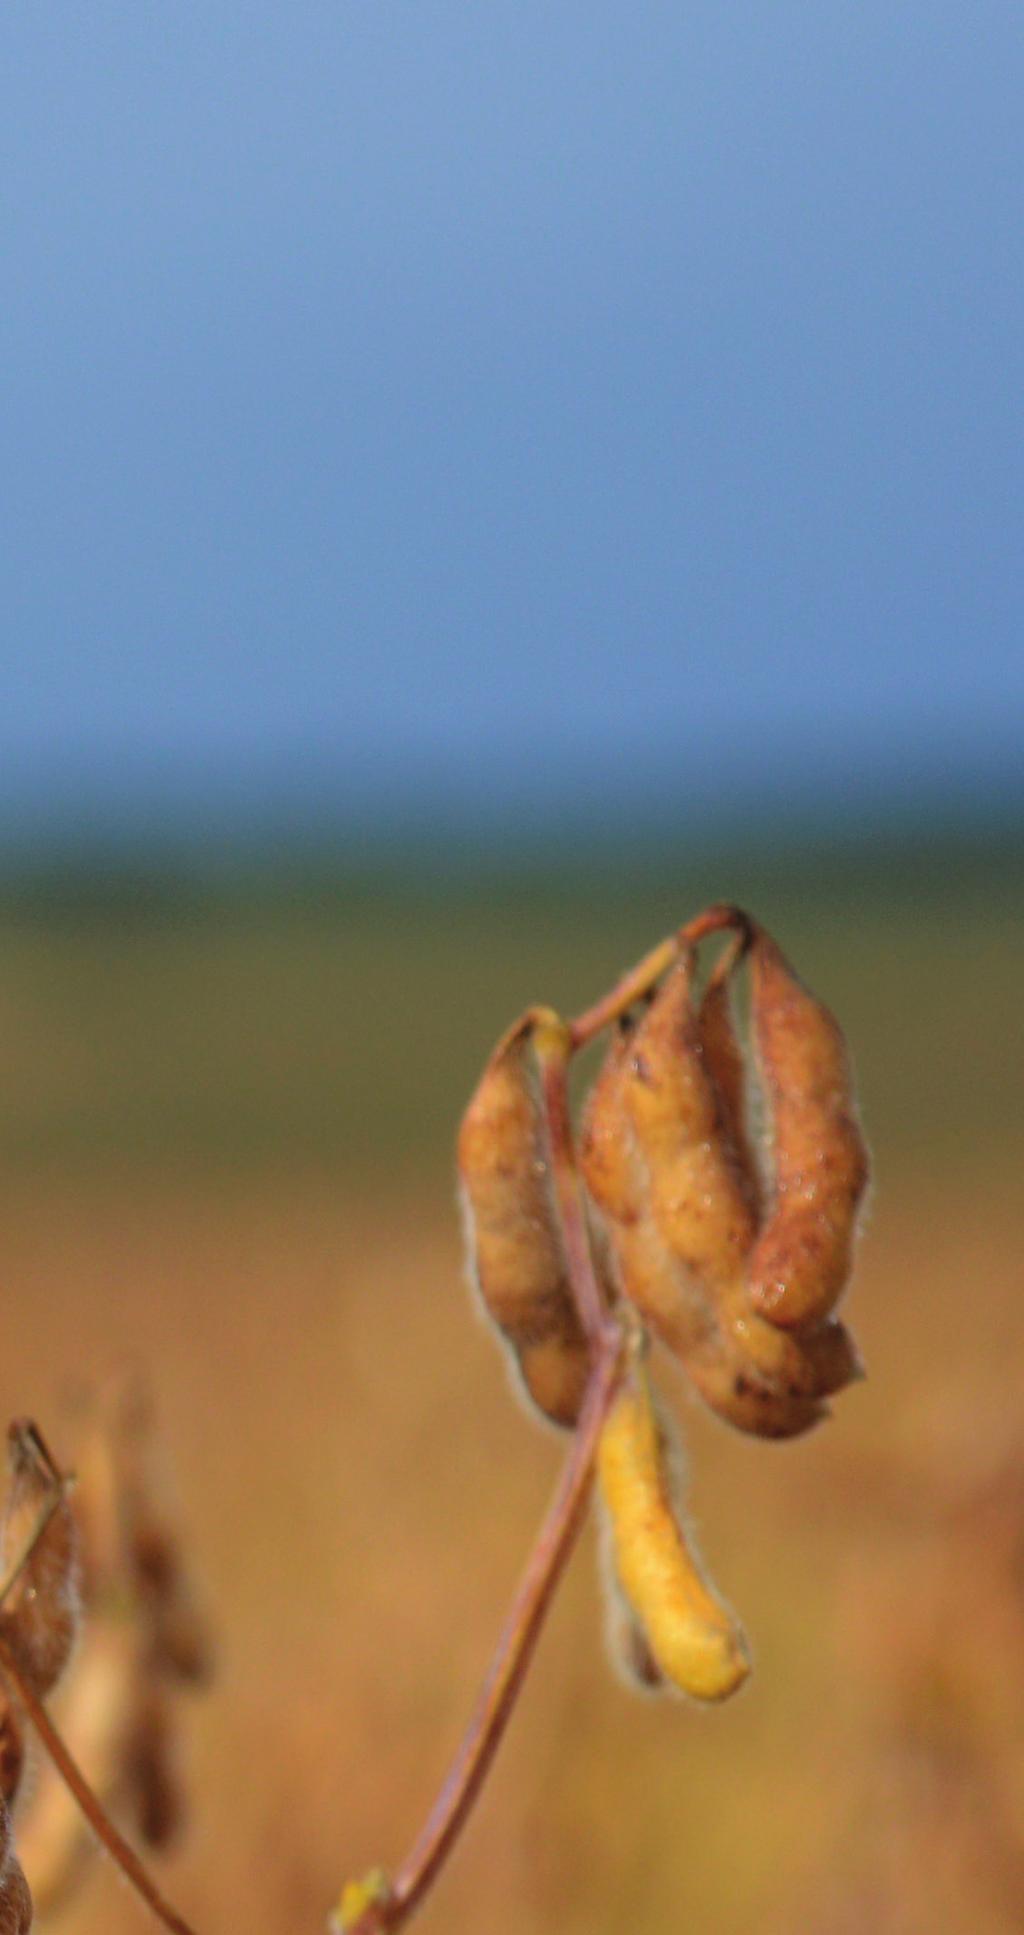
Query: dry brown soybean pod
x,y
804,1251
15,1899
514,1249
671,1301
713,1337
697,1193
39,1617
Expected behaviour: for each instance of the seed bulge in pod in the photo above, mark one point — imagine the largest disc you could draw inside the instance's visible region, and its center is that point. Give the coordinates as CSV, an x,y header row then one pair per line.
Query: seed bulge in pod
x,y
804,1252
667,1296
514,1250
696,1188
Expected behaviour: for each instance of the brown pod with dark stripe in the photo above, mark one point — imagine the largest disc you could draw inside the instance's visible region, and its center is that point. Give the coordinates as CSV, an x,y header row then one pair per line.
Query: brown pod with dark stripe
x,y
804,1253
514,1248
12,1750
39,1617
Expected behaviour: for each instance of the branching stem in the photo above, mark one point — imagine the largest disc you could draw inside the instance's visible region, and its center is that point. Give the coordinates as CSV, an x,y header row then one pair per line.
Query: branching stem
x,y
67,1767
508,1667
398,1901
639,981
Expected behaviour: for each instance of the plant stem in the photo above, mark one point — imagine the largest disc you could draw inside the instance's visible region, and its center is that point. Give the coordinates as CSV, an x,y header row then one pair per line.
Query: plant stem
x,y
638,982
511,1659
385,1906
70,1772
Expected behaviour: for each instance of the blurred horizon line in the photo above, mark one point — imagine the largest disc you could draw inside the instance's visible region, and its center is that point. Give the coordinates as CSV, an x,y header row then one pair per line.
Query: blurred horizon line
x,y
934,845
211,817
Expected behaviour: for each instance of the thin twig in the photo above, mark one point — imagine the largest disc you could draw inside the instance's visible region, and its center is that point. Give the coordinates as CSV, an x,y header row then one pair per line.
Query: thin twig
x,y
397,1901
385,1906
639,981
103,1828
511,1658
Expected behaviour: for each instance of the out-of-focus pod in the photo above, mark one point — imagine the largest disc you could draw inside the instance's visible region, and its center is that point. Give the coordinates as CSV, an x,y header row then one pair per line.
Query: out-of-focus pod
x,y
694,1641
39,1617
12,1749
515,1255
15,1899
804,1252
144,1635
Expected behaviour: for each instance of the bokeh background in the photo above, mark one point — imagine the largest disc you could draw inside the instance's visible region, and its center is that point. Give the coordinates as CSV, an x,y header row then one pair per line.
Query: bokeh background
x,y
480,483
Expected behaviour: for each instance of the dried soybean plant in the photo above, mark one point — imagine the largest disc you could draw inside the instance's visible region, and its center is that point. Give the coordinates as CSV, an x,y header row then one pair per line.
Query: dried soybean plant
x,y
675,1225
92,1581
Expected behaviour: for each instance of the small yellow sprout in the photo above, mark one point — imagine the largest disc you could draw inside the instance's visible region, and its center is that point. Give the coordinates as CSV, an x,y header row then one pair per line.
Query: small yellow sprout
x,y
357,1897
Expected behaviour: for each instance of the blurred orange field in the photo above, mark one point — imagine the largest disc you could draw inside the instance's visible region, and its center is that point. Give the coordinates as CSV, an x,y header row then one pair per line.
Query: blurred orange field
x,y
359,1493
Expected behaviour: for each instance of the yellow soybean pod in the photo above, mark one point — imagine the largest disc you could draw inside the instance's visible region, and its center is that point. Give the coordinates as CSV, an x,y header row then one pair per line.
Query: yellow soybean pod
x,y
694,1639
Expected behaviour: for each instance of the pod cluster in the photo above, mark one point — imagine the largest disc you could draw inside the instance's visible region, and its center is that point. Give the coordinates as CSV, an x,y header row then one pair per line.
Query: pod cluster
x,y
15,1899
143,1640
729,1245
735,1261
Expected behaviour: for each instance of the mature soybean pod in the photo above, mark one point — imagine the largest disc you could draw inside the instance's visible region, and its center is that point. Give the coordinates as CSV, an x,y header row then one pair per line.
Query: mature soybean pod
x,y
39,1617
713,1338
697,1193
153,1788
695,1641
745,1398
668,1298
15,1899
807,1363
804,1252
12,1749
514,1250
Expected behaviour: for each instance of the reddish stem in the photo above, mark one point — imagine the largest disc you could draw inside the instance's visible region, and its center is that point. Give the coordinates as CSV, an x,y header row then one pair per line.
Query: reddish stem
x,y
508,1668
638,982
102,1826
559,1532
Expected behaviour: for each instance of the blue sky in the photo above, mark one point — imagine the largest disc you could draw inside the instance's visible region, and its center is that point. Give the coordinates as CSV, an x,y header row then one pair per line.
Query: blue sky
x,y
530,407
